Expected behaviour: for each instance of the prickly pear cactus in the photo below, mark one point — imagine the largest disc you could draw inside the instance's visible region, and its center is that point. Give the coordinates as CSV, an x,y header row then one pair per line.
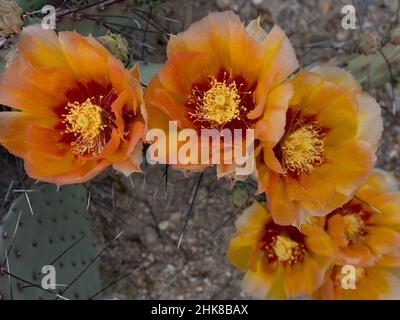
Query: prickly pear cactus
x,y
372,70
47,237
148,70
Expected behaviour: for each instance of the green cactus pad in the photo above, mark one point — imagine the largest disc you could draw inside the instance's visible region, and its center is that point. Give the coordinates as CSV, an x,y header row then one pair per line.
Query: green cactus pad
x,y
59,220
372,70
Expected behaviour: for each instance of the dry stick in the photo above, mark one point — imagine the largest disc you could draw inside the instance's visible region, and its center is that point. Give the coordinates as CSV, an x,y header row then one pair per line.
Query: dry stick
x,y
392,80
396,21
224,223
88,7
190,210
116,216
172,280
153,17
158,26
119,279
145,33
191,178
110,285
89,17
164,178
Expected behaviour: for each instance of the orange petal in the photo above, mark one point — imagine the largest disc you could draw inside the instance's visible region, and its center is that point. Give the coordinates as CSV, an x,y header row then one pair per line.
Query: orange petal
x,y
177,78
317,240
253,218
13,126
241,248
172,108
274,118
284,211
382,240
387,283
369,117
222,35
42,48
85,61
135,133
132,164
258,284
339,76
353,163
278,63
33,95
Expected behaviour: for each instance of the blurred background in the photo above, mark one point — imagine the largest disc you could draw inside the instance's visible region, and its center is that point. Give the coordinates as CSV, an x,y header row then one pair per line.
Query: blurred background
x,y
152,208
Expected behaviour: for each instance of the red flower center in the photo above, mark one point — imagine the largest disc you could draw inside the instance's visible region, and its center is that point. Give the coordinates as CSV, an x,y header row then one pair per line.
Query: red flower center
x,y
301,149
87,120
222,102
284,244
356,219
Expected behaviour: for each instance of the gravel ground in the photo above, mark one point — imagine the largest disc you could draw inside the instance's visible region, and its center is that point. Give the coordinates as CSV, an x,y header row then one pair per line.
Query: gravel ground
x,y
153,221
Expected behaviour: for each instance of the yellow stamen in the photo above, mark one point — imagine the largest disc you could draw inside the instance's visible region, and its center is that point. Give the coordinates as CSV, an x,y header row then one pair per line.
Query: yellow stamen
x,y
287,250
354,226
219,105
303,149
86,122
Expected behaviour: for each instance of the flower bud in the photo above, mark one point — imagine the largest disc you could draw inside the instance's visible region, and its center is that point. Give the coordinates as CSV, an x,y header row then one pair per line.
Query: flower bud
x,y
116,45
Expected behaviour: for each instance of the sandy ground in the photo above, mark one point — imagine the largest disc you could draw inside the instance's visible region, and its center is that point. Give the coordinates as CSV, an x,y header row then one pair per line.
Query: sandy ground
x,y
153,222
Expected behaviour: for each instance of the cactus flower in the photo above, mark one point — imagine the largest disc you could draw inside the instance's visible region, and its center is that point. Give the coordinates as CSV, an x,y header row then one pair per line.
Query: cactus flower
x,y
377,282
218,76
325,149
281,262
368,226
11,21
78,109
365,233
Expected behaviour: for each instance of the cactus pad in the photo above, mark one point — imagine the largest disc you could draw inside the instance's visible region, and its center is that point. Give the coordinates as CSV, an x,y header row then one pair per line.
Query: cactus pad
x,y
59,220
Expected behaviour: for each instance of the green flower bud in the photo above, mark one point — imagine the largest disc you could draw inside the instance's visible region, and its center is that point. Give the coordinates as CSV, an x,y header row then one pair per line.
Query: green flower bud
x,y
116,45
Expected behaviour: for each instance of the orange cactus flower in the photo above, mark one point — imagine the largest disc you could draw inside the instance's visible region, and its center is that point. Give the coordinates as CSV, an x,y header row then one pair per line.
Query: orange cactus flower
x,y
368,226
377,282
79,109
365,233
280,261
325,149
218,76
